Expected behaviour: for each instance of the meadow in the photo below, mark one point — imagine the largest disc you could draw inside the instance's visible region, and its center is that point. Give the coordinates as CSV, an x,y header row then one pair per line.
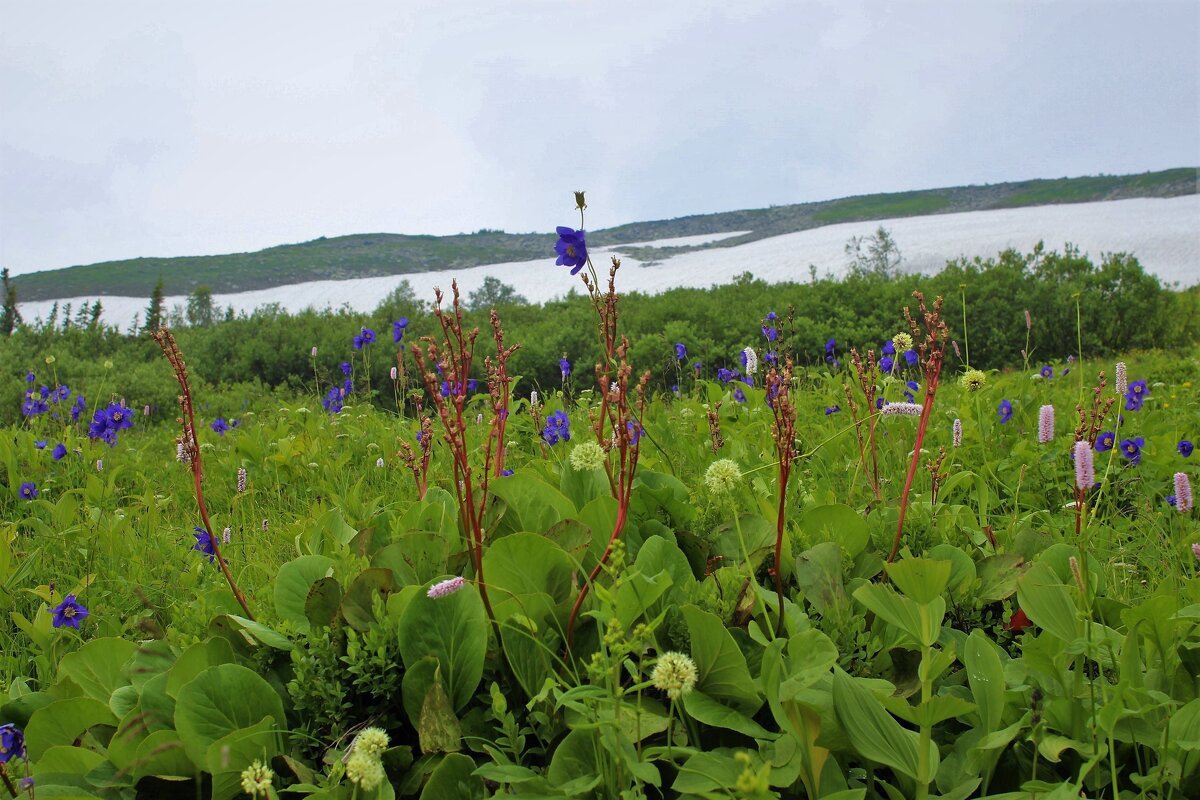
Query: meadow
x,y
776,569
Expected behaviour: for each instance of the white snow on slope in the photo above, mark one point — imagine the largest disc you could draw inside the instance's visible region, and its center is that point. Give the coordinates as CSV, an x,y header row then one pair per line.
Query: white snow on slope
x,y
1164,234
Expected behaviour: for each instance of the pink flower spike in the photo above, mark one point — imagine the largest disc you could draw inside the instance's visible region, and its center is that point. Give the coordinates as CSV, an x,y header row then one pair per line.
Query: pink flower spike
x,y
1085,474
446,587
1196,550
1183,492
1045,424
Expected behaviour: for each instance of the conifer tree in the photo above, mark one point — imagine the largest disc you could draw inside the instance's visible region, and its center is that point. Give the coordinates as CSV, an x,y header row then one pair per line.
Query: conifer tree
x,y
10,316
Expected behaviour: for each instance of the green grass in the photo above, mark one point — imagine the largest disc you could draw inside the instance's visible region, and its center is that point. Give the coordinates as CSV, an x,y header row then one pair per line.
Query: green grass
x,y
880,206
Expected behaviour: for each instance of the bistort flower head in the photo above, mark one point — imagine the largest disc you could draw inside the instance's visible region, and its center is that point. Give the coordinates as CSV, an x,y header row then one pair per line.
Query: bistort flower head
x,y
973,380
1045,424
69,613
674,673
722,476
901,410
1122,381
1183,492
750,360
571,248
1085,474
587,456
958,433
446,587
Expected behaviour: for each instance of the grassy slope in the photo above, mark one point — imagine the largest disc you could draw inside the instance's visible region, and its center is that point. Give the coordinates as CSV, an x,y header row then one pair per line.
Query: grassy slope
x,y
379,254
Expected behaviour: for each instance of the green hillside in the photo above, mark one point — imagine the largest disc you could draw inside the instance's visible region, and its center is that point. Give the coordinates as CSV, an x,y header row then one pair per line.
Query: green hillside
x,y
382,254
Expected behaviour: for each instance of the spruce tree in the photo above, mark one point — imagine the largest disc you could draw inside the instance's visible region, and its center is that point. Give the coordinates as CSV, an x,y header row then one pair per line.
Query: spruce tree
x,y
10,316
154,312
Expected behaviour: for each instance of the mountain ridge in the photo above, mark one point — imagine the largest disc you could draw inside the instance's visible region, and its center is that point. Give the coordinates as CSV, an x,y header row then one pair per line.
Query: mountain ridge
x,y
383,254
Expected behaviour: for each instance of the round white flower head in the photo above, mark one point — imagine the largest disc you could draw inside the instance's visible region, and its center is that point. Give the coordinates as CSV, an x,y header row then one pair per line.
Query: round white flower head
x,y
379,461
256,779
722,476
901,410
449,586
751,360
973,380
675,673
365,770
372,741
902,341
587,456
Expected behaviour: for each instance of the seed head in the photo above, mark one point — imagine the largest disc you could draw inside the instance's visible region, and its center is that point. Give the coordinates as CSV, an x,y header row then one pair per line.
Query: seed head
x,y
675,673
722,476
587,456
973,380
902,341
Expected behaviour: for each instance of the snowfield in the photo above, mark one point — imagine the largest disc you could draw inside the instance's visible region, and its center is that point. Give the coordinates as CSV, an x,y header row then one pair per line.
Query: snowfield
x,y
1164,234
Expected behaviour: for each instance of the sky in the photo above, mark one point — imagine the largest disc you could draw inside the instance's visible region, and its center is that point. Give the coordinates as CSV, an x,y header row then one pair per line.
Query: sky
x,y
154,129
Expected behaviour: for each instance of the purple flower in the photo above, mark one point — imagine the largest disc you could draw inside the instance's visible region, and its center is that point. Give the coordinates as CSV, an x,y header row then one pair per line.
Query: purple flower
x,y
59,451
1185,448
1085,474
725,375
830,346
1183,492
30,377
69,613
1045,424
1047,371
346,368
1105,441
889,348
40,444
1172,500
571,248
504,473
28,491
219,425
446,587
739,395
636,431
771,333
680,352
772,316
204,544
558,427
910,356
912,387
886,363
12,740
770,357
1005,411
1131,449
832,410
398,328
564,367
368,336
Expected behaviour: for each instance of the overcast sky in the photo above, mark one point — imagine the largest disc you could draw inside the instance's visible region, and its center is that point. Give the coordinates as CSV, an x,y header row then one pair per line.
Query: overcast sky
x,y
158,129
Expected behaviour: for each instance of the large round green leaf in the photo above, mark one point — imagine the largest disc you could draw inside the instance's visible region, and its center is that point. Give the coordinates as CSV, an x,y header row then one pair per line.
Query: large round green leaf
x,y
452,629
99,666
219,701
522,569
292,585
63,722
836,523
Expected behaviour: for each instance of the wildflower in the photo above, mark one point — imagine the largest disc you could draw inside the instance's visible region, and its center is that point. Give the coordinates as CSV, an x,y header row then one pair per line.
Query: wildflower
x,y
770,333
219,425
770,357
40,444
1047,371
680,352
587,456
564,367
346,368
226,535
832,409
1183,492
571,248
30,377
889,348
313,353
59,451
697,366
1131,449
78,408
958,433
886,364
365,771
69,613
911,357
973,380
394,373
1171,499
256,779
99,465
1122,381
1185,448
558,426
146,410
750,360
12,740
1196,550
1138,388
902,341
1018,622
912,386
504,473
1105,441
204,544
1045,424
372,741
722,476
772,316
533,397
28,491
739,395
901,409
1085,475
1028,321
725,376
674,673
449,586
241,479
398,329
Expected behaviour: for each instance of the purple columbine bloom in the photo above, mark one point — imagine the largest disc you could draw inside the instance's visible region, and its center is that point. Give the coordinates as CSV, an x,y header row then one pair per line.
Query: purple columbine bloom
x,y
69,613
571,248
771,333
345,367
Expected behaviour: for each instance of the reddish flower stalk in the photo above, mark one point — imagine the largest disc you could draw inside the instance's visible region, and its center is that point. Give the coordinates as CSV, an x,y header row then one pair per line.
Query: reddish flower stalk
x,y
420,466
617,426
454,355
783,432
190,446
868,376
931,348
500,389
